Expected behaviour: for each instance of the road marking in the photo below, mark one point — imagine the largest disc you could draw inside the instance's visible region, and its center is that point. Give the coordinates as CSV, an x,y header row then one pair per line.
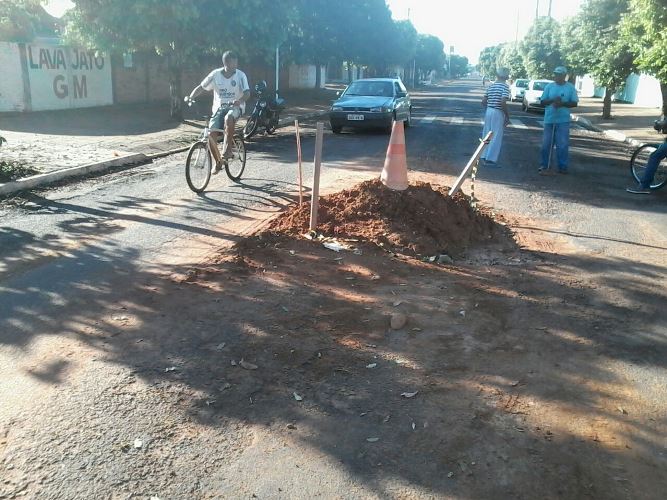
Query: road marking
x,y
428,119
456,120
518,123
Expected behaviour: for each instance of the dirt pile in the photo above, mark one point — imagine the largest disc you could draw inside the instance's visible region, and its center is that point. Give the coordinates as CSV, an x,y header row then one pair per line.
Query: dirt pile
x,y
420,221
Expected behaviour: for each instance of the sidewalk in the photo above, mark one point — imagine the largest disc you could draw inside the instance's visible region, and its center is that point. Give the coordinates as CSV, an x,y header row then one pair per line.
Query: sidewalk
x,y
60,144
629,123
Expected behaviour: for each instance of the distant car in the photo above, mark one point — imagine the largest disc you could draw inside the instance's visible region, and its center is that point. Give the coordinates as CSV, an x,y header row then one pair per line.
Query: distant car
x,y
532,94
371,103
518,88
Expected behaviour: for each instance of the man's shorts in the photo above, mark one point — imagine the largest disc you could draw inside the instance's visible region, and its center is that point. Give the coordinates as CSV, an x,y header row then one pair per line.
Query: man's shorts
x,y
218,119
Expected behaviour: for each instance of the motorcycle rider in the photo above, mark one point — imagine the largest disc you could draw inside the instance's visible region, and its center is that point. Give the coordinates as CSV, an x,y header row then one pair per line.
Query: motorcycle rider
x,y
230,93
653,161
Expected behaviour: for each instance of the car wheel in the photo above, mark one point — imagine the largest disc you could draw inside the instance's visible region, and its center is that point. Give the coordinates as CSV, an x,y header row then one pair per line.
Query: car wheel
x,y
336,128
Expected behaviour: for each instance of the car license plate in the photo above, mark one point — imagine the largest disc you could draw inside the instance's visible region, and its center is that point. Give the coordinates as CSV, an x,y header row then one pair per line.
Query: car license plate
x,y
355,118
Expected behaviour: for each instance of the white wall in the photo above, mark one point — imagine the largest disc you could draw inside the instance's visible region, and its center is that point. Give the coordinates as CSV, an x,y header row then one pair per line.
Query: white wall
x,y
304,76
63,77
11,81
648,92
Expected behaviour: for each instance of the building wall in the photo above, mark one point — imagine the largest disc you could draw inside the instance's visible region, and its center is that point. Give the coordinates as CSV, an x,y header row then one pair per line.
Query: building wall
x,y
62,77
11,82
639,89
304,76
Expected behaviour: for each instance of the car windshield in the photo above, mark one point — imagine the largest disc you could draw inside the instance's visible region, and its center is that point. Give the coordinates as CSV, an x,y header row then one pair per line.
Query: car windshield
x,y
521,83
539,85
378,89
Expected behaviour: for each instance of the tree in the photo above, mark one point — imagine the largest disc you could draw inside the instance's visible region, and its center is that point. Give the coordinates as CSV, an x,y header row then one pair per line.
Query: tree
x,y
511,58
594,45
541,48
430,53
459,65
21,20
180,30
643,29
488,60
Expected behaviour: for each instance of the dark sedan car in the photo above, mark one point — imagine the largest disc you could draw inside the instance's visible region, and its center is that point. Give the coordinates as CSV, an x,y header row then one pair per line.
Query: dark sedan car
x,y
371,103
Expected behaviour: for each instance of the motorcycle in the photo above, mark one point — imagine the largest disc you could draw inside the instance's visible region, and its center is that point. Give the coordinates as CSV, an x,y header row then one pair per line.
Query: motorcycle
x,y
265,114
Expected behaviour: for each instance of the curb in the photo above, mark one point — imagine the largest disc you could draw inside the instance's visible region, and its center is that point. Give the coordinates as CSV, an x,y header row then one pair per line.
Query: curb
x,y
614,135
51,177
41,180
290,120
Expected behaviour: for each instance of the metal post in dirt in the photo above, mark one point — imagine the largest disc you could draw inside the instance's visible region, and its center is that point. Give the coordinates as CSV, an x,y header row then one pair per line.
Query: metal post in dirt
x,y
315,197
459,181
298,157
277,69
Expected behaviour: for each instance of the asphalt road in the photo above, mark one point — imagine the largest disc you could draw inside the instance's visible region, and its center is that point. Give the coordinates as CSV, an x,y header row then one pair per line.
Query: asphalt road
x,y
67,252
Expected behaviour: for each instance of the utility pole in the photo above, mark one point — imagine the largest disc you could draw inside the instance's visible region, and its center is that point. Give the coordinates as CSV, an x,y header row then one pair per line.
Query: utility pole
x,y
550,8
537,9
516,36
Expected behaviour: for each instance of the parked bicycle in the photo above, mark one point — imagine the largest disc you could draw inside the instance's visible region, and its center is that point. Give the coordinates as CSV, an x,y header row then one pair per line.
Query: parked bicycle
x,y
640,158
199,162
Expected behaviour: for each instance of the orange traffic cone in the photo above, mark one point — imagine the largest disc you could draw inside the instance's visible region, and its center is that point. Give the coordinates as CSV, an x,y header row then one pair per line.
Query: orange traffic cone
x,y
395,171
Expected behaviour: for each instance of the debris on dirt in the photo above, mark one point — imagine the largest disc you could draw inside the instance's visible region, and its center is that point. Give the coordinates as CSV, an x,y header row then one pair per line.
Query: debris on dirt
x,y
220,347
291,426
622,410
398,321
297,397
138,443
372,440
445,259
247,365
386,419
372,365
422,220
335,246
170,369
409,394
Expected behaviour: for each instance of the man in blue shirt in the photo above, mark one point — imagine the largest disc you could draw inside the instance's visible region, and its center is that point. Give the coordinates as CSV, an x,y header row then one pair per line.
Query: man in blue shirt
x,y
558,98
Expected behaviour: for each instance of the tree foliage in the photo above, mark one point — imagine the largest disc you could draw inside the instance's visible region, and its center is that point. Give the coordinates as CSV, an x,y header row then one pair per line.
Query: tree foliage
x,y
489,59
459,65
644,30
541,48
510,57
430,53
22,20
180,29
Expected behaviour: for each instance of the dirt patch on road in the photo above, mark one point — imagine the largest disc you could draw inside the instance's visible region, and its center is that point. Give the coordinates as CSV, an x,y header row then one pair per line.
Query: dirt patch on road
x,y
501,382
422,220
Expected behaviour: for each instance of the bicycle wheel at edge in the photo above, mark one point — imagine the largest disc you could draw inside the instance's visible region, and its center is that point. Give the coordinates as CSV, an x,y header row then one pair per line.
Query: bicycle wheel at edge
x,y
236,165
638,166
198,167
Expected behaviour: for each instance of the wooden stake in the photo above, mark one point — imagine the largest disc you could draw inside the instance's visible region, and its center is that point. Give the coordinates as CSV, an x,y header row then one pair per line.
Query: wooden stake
x,y
298,156
315,199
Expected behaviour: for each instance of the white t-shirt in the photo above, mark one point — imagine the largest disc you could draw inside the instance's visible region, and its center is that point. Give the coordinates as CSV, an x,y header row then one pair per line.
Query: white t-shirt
x,y
226,90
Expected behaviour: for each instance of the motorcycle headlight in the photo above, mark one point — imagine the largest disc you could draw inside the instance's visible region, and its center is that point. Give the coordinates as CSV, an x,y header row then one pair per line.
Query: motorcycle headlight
x,y
262,104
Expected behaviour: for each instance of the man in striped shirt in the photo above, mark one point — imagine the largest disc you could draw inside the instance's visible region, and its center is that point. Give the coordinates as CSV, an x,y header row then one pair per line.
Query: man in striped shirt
x,y
497,116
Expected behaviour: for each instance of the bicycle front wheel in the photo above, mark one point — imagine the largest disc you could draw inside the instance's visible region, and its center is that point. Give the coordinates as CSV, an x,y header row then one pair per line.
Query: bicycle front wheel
x,y
638,166
198,167
235,165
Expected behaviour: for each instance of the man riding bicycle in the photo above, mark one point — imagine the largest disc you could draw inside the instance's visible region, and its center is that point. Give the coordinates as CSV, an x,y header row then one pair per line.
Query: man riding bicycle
x,y
230,92
644,186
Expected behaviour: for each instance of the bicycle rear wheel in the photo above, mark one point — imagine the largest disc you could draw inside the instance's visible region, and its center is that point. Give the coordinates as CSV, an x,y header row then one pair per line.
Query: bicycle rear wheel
x,y
638,166
235,165
198,167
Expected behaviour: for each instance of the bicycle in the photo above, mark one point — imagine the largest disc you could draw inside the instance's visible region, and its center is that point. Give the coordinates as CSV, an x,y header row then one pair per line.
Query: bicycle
x,y
638,166
198,165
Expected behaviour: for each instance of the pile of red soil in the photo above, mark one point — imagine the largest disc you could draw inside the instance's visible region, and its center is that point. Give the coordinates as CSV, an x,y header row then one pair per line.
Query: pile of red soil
x,y
421,220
